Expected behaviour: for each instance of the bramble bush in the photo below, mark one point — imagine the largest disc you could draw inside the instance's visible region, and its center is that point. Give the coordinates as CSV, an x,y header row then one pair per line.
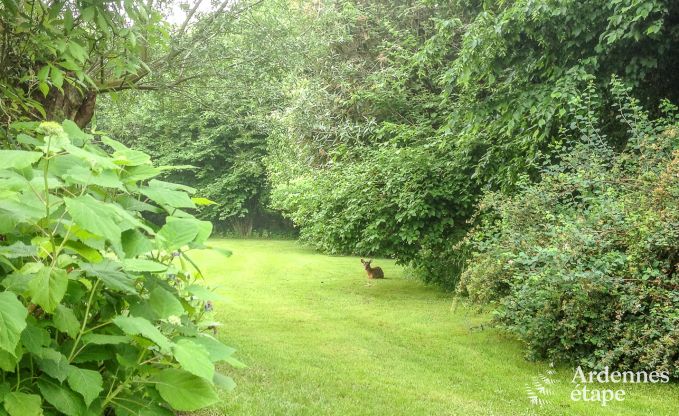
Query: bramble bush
x,y
584,264
101,310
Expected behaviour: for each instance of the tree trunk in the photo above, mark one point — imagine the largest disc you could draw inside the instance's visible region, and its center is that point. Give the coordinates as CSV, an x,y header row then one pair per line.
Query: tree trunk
x,y
72,104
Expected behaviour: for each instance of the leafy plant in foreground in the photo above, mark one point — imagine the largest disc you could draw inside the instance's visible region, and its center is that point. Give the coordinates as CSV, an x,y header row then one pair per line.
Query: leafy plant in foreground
x,y
100,309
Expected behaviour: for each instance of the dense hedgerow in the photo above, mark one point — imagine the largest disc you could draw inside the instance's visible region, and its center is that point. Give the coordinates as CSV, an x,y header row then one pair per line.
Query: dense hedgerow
x,y
584,264
100,309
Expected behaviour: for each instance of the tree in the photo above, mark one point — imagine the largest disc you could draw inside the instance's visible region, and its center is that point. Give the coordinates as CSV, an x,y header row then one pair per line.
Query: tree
x,y
57,57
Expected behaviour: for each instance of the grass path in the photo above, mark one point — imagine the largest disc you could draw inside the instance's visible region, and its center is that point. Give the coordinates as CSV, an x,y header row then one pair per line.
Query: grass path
x,y
318,341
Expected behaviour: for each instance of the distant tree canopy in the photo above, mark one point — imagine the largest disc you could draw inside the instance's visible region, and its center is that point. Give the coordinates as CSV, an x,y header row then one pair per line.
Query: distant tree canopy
x,y
58,56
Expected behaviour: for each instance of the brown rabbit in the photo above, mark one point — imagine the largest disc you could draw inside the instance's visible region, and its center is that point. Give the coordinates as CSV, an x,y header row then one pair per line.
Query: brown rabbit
x,y
373,272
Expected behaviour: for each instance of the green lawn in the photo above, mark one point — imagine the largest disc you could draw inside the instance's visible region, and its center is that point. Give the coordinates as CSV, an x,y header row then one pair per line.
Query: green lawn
x,y
319,341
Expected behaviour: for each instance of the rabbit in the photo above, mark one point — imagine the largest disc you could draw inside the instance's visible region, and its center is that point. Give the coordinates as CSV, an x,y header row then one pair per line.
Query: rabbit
x,y
373,272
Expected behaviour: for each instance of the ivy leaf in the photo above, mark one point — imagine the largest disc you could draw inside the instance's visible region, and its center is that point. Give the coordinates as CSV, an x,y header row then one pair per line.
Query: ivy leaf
x,y
193,358
22,404
183,390
65,321
12,321
88,383
139,326
48,287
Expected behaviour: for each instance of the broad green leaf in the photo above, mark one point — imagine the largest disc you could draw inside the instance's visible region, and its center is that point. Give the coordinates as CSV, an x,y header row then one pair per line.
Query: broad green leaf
x,y
184,391
53,363
48,287
155,183
142,265
84,176
200,201
78,136
140,173
93,216
88,383
168,197
139,326
135,243
35,338
57,77
224,382
8,361
18,159
65,321
203,293
104,339
22,404
43,73
61,397
216,350
110,273
86,252
178,232
165,304
12,321
18,249
193,358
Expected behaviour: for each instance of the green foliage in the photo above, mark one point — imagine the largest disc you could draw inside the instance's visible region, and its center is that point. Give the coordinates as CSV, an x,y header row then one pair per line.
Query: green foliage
x,y
479,91
97,309
584,263
219,127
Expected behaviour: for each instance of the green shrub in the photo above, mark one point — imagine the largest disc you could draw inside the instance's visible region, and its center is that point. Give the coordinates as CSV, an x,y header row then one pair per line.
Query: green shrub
x,y
100,309
386,204
584,264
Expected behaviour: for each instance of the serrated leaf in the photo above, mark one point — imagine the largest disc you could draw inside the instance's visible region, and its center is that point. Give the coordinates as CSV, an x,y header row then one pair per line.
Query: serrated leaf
x,y
53,363
12,321
200,201
93,216
48,287
18,249
184,391
104,339
88,383
178,232
35,338
171,198
110,273
65,321
22,404
224,382
193,358
216,350
135,243
164,303
18,159
143,265
139,326
62,398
